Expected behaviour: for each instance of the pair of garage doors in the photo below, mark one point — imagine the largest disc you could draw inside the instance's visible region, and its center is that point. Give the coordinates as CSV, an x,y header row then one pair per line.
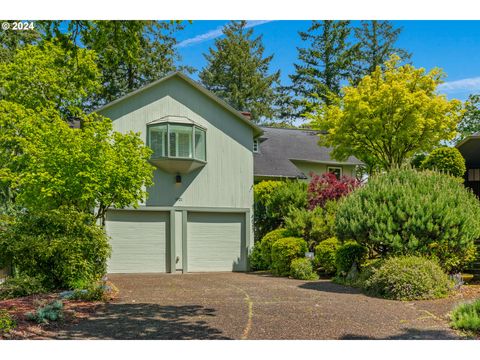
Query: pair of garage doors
x,y
144,241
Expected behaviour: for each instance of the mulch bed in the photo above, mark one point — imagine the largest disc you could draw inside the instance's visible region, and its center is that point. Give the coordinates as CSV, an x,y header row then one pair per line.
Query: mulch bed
x,y
73,312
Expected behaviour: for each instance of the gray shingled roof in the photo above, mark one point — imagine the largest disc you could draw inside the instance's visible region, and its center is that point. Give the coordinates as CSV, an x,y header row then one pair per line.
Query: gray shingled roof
x,y
278,146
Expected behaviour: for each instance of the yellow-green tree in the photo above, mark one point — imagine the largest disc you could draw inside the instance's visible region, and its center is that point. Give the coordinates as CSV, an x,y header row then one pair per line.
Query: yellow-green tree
x,y
389,116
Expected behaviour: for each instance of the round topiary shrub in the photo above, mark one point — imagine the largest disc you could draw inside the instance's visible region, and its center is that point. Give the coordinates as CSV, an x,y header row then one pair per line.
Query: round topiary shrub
x,y
302,269
266,244
348,254
445,159
284,251
409,212
325,254
408,278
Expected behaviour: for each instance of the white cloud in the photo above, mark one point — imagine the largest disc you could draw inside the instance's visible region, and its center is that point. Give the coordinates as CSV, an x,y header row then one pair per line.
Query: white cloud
x,y
213,34
469,84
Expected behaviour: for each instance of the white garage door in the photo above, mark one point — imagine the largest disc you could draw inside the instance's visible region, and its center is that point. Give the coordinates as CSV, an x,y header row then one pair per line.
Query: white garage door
x,y
138,240
216,242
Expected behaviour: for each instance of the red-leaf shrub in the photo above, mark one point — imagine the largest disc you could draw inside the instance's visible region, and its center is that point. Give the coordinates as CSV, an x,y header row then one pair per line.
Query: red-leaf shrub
x,y
326,187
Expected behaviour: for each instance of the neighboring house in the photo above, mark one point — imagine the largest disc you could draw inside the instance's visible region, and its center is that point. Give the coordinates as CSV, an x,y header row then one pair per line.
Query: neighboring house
x,y
198,213
470,150
294,153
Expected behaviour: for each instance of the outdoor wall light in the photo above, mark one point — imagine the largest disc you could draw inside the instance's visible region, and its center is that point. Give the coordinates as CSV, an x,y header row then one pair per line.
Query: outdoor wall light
x,y
178,179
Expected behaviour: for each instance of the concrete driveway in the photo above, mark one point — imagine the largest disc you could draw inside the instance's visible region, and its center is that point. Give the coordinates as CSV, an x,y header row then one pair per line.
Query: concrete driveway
x,y
253,306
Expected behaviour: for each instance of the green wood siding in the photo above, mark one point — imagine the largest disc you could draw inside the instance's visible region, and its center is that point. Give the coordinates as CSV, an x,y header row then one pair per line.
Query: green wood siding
x,y
138,240
216,242
226,180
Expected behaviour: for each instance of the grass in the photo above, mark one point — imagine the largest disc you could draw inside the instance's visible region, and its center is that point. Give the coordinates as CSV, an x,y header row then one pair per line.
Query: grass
x,y
467,317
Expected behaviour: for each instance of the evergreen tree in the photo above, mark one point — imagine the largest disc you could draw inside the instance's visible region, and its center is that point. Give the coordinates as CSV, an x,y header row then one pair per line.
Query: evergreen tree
x,y
376,41
130,53
324,64
238,72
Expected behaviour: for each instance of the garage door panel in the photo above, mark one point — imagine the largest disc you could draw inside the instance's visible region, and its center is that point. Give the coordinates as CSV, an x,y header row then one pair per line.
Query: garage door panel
x,y
138,240
215,242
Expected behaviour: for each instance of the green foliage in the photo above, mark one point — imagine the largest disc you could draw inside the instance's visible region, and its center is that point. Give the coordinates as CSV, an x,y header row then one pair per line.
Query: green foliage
x,y
470,123
446,159
238,72
312,225
61,246
21,285
302,269
376,41
467,316
130,53
284,251
409,278
256,259
90,168
52,311
406,212
7,323
389,116
325,255
44,77
267,242
261,221
417,159
348,254
91,292
324,63
11,41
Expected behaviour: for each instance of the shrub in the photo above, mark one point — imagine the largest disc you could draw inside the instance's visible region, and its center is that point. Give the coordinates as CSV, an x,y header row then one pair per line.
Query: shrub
x,y
267,242
408,278
416,161
467,316
302,269
446,159
256,259
312,225
262,192
93,292
61,246
325,254
52,311
21,286
292,194
348,254
407,212
284,251
7,323
326,187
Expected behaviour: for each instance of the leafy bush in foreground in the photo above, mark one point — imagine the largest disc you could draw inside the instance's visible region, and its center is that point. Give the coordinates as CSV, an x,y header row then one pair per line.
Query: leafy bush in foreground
x,y
7,323
407,212
62,247
302,269
284,251
325,254
326,187
256,260
408,278
467,316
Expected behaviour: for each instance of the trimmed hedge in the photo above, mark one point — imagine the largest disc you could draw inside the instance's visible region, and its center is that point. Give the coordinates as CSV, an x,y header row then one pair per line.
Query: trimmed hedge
x,y
266,244
284,251
256,260
408,278
446,159
409,212
325,255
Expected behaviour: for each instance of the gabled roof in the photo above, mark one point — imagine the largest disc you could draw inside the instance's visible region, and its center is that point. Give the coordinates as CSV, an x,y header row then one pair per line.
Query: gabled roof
x,y
256,129
281,147
468,138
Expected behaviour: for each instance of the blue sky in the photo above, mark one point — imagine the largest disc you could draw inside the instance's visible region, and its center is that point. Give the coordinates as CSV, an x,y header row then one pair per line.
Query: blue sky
x,y
453,46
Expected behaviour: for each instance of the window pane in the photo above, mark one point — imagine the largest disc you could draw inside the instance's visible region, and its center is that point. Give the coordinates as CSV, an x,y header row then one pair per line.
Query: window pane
x,y
158,140
180,141
200,144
